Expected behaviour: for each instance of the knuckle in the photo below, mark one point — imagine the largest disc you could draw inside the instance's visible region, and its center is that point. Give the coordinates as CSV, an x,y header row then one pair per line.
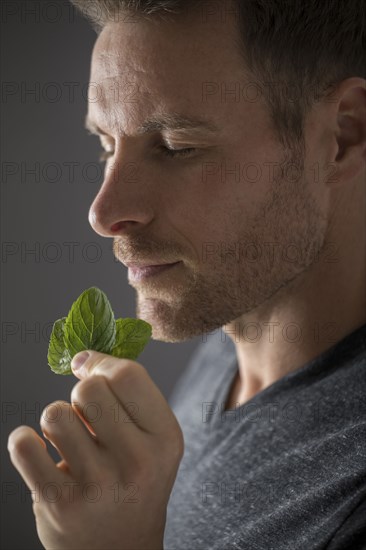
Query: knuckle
x,y
176,446
18,440
54,413
129,371
179,443
117,367
110,364
86,388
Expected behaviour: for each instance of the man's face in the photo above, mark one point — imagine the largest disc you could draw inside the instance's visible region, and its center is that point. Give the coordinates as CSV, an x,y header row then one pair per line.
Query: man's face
x,y
238,227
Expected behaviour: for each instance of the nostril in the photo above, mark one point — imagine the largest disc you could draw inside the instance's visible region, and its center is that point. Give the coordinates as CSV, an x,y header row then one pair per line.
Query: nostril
x,y
116,226
121,225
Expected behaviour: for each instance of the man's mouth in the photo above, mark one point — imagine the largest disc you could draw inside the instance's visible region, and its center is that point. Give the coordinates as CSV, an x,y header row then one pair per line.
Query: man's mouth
x,y
137,272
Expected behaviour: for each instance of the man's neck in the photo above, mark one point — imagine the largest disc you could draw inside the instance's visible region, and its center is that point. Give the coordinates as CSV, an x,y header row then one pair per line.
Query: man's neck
x,y
308,316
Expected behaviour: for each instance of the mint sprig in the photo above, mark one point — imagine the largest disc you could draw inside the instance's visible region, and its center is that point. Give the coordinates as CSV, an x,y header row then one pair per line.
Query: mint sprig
x,y
90,324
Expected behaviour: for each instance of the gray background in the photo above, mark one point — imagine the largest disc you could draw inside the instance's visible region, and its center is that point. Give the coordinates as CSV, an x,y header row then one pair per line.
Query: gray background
x,y
46,48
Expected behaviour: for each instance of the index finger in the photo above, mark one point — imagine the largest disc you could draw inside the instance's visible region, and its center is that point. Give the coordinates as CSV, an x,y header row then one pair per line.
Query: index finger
x,y
135,391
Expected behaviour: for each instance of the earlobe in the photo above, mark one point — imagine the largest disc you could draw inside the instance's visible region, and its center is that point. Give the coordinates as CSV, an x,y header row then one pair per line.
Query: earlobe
x,y
350,159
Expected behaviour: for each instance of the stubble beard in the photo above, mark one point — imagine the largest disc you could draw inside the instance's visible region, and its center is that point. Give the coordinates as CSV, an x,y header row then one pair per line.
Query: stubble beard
x,y
231,285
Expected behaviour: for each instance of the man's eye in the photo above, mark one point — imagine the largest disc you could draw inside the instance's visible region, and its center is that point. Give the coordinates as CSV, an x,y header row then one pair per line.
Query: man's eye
x,y
105,155
167,151
177,152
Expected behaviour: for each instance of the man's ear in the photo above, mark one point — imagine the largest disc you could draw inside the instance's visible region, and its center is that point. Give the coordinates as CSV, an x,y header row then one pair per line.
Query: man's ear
x,y
350,130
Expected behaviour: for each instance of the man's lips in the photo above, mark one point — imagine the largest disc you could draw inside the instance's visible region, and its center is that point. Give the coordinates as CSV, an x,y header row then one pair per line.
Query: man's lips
x,y
145,264
138,272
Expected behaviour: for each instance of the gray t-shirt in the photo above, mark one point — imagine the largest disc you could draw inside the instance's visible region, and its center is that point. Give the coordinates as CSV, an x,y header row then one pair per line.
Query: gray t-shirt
x,y
286,470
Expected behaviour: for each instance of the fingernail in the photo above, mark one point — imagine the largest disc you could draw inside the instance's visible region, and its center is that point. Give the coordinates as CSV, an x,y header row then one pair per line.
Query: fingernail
x,y
78,360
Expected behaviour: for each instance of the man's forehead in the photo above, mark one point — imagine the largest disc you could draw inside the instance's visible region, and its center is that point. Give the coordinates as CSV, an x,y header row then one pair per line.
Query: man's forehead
x,y
108,62
121,46
154,80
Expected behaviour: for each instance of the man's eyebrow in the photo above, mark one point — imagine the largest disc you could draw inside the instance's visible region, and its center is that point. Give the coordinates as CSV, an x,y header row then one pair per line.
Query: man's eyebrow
x,y
164,122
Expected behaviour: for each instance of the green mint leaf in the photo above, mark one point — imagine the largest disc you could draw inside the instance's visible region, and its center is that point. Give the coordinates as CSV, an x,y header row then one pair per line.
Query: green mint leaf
x,y
90,324
57,352
65,363
131,338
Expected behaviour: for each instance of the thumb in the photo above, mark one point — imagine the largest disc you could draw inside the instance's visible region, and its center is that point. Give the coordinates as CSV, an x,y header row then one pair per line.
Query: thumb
x,y
85,362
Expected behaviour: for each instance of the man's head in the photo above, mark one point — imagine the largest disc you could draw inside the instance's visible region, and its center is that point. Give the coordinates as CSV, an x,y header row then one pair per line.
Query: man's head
x,y
268,103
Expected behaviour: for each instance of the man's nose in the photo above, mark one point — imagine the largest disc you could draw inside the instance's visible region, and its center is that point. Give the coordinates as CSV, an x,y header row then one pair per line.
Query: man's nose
x,y
122,202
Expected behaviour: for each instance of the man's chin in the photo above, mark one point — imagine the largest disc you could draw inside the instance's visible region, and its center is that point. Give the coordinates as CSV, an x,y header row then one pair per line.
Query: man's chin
x,y
174,324
161,335
167,325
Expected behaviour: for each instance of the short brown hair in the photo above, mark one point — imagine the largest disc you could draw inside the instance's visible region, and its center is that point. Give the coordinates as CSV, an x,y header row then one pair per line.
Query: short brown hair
x,y
306,46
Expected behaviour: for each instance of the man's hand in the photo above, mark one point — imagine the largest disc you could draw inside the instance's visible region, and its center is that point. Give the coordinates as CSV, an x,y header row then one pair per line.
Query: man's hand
x,y
121,446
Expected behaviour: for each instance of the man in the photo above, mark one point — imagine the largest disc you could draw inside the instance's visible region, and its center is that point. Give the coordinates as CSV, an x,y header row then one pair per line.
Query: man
x,y
236,141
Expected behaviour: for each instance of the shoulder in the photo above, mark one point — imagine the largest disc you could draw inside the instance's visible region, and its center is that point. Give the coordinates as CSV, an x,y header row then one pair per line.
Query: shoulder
x,y
352,532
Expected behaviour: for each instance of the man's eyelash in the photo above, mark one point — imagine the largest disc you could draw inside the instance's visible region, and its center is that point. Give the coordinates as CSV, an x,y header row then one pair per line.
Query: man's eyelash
x,y
105,155
177,152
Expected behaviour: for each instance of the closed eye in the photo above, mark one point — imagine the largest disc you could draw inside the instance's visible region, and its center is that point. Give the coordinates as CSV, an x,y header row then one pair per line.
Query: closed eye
x,y
105,155
177,152
167,151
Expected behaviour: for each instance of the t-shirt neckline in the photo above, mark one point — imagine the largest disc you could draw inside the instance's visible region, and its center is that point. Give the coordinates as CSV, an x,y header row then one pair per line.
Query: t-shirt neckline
x,y
349,346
